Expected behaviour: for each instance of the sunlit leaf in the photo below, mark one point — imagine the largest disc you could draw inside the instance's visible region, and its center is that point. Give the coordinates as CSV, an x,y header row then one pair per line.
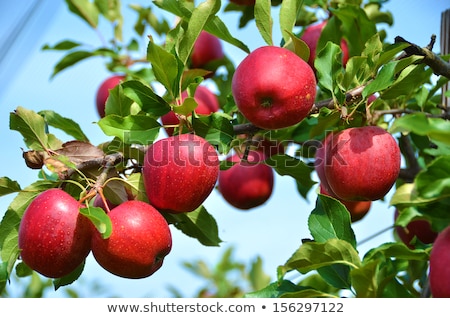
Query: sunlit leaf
x,y
67,125
264,20
330,219
8,186
99,218
314,255
131,129
146,98
198,224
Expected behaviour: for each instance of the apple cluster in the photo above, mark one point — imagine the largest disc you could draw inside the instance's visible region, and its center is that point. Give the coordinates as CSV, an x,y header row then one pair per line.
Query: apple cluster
x,y
179,173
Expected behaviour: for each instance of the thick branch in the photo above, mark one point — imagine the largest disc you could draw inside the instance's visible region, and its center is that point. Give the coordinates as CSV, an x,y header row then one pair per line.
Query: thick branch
x,y
437,64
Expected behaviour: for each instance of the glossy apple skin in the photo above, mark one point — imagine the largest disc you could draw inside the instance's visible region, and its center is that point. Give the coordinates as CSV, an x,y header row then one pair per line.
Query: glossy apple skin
x,y
319,166
363,163
139,241
357,209
247,184
273,87
416,228
311,38
207,103
54,238
103,92
439,276
180,172
207,48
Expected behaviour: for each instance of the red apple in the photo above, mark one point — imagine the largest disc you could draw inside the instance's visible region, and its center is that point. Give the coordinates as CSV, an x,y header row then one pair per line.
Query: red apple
x,y
207,103
274,88
416,228
180,172
319,165
357,209
54,238
103,92
311,37
439,276
362,163
139,241
248,183
207,48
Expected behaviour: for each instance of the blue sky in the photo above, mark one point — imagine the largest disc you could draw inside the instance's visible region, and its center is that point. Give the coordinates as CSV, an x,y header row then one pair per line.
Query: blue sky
x,y
272,231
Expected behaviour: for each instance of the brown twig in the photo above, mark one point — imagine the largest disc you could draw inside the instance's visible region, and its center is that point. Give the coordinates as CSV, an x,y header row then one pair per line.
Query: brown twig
x,y
436,63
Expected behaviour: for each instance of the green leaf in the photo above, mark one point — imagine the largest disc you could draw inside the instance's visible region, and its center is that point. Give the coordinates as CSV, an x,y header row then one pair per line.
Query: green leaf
x,y
216,129
396,250
406,195
8,186
62,46
286,165
33,128
165,66
131,129
384,79
435,128
289,11
69,278
118,103
364,279
214,26
199,17
286,289
99,218
337,275
67,125
144,96
328,65
352,16
186,108
70,59
409,80
330,219
314,255
85,9
198,224
434,181
263,19
299,46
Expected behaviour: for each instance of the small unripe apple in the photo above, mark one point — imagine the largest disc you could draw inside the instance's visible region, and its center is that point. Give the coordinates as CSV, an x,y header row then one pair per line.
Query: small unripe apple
x,y
180,172
207,103
274,88
54,238
207,48
139,241
248,183
416,228
439,276
311,38
362,163
103,92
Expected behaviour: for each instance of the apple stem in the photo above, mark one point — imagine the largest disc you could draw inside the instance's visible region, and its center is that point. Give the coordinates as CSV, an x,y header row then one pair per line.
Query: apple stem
x,y
108,163
248,144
